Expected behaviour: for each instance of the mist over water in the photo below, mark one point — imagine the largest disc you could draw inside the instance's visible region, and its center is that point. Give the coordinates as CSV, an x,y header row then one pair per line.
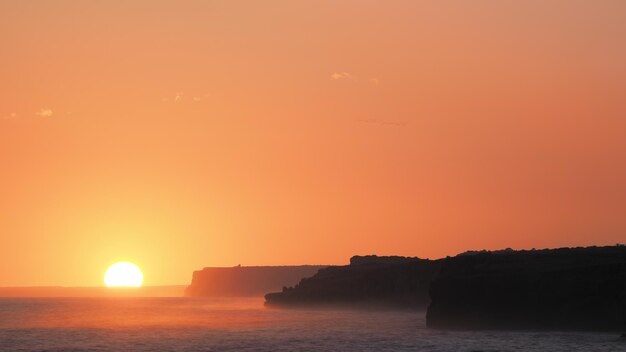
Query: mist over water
x,y
182,324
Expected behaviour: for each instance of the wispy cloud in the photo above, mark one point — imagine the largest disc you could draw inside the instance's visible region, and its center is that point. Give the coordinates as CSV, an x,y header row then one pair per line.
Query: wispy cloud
x,y
341,75
199,98
44,112
180,97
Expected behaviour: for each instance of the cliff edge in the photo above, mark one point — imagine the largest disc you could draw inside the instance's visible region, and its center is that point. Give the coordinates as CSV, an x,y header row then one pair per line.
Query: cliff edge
x,y
368,281
246,280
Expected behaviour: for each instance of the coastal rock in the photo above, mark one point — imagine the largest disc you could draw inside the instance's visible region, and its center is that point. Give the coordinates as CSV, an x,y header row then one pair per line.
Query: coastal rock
x,y
568,288
379,281
246,280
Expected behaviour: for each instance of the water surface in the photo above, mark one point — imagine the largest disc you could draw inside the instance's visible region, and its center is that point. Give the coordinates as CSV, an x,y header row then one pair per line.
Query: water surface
x,y
182,324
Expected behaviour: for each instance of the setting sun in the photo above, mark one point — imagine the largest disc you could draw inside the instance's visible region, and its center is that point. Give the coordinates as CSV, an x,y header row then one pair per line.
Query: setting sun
x,y
123,274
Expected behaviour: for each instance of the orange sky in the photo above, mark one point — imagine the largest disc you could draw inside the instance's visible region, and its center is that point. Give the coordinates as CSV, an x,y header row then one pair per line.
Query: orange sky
x,y
183,134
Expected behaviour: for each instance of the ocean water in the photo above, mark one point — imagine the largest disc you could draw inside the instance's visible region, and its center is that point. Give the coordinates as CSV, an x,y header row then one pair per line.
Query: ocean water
x,y
181,324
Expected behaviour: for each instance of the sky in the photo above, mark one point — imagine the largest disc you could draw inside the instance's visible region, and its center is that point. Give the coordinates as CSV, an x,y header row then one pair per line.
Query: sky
x,y
185,134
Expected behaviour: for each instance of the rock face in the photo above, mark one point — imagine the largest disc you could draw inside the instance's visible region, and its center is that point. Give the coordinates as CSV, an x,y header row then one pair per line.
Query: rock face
x,y
246,280
381,281
569,288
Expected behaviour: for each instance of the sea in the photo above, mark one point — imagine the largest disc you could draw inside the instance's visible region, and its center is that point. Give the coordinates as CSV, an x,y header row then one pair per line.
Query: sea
x,y
245,324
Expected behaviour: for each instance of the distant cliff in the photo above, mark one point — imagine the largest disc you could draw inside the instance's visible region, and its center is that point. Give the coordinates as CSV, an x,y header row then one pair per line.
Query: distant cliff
x,y
246,280
370,280
568,288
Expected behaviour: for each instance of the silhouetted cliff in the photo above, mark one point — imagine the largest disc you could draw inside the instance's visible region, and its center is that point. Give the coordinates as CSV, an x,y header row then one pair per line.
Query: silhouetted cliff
x,y
568,288
370,280
246,280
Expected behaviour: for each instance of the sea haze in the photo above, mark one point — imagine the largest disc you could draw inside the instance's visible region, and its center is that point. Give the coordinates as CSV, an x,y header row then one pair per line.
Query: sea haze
x,y
244,324
59,291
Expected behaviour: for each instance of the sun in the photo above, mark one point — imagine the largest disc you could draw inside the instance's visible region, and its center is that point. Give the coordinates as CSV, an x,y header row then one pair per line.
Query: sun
x,y
123,274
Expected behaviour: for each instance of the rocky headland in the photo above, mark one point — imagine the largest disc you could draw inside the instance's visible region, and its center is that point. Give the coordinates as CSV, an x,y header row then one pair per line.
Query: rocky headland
x,y
555,289
241,281
368,281
567,288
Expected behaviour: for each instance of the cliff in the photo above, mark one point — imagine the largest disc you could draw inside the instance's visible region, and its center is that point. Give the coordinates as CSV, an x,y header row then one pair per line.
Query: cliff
x,y
568,288
557,289
246,280
370,280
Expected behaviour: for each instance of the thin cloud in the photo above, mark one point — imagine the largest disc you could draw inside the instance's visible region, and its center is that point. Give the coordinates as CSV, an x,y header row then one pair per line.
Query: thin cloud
x,y
199,98
179,97
341,75
43,112
9,116
374,81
